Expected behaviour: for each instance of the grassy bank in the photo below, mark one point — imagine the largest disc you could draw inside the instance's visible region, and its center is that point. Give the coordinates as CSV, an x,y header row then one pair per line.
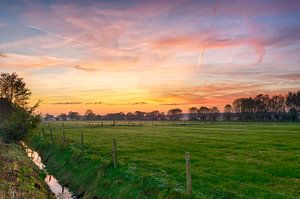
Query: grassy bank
x,y
91,176
19,178
228,160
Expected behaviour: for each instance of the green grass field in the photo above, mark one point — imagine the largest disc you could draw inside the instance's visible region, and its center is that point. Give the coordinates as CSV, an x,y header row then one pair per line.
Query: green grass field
x,y
227,160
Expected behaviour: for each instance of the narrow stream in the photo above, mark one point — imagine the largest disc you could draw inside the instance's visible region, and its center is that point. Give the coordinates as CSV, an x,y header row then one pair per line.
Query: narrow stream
x,y
59,191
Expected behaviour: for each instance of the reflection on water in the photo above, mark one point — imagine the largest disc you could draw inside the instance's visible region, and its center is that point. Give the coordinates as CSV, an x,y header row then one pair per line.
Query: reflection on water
x,y
59,191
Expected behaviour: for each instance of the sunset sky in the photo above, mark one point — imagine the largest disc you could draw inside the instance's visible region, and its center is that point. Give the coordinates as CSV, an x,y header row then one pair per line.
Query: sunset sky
x,y
113,56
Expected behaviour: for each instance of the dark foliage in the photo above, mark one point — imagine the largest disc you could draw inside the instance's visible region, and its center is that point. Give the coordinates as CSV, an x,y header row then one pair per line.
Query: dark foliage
x,y
16,117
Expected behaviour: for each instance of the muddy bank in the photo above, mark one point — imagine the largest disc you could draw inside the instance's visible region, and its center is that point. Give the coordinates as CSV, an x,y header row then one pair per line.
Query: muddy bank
x,y
19,177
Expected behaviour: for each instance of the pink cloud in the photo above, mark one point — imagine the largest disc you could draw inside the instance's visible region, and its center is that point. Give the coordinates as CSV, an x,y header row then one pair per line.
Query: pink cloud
x,y
23,61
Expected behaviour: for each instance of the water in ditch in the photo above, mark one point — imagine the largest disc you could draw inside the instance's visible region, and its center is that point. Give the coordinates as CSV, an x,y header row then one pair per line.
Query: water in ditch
x,y
60,192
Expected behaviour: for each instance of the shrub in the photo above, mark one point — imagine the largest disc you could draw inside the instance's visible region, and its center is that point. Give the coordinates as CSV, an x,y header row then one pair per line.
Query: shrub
x,y
17,124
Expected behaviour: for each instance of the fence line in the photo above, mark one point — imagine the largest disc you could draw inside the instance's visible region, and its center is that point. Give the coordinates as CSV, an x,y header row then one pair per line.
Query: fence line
x,y
109,123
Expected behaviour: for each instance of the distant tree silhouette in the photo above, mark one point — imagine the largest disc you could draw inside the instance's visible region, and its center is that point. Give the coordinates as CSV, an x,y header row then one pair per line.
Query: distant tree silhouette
x,y
115,116
62,117
89,115
203,113
228,110
139,115
262,107
175,114
214,113
259,108
193,113
277,107
293,100
293,104
49,117
73,115
130,116
154,115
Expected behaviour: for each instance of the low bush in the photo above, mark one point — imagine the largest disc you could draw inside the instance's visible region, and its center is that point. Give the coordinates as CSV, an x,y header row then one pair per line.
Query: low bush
x,y
17,124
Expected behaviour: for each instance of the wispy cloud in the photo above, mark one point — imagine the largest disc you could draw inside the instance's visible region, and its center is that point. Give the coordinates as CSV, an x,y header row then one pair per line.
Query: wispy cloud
x,y
2,55
129,103
65,103
30,61
174,104
288,76
94,103
86,69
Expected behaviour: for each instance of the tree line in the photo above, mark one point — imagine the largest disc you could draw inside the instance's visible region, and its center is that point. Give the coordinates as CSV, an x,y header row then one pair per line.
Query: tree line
x,y
265,108
260,108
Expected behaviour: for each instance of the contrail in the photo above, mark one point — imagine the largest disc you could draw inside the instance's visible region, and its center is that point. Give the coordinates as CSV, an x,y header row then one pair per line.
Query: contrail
x,y
201,54
259,49
46,31
255,42
201,58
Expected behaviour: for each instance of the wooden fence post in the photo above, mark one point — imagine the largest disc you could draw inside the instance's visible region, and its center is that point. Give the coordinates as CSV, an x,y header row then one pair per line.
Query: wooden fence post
x,y
43,129
188,174
63,137
51,134
114,152
81,142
